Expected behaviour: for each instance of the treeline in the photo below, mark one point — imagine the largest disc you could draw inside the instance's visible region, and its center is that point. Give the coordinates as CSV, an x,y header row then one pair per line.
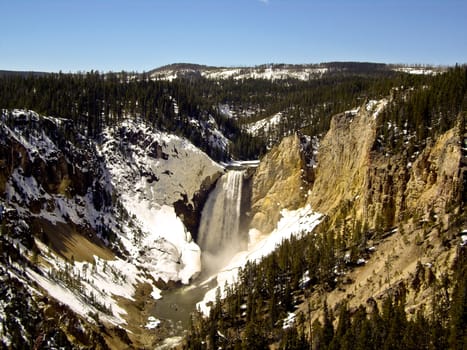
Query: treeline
x,y
93,101
256,311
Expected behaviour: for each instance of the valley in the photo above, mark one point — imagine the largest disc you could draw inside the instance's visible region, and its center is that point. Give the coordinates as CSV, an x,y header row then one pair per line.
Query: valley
x,y
276,206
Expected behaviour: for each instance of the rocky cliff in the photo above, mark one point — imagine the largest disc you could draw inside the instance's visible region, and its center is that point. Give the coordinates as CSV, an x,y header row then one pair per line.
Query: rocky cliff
x,y
280,182
397,214
378,188
355,178
99,225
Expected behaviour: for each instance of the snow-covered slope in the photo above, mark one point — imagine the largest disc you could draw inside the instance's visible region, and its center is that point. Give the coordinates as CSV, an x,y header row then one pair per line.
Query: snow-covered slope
x,y
264,125
148,171
419,70
267,72
98,219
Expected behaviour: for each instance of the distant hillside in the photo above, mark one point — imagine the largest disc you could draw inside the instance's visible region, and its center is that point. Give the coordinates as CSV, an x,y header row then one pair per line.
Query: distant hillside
x,y
12,73
282,71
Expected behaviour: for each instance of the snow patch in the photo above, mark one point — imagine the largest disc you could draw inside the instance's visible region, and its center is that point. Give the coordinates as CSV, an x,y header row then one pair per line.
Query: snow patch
x,y
264,125
152,323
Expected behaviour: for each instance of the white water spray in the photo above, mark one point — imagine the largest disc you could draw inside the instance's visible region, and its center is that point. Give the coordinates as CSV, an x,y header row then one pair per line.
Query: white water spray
x,y
219,232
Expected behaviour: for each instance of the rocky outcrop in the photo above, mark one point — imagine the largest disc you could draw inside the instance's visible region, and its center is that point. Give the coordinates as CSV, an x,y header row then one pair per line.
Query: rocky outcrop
x,y
434,177
280,182
343,160
378,188
396,210
190,211
37,161
161,169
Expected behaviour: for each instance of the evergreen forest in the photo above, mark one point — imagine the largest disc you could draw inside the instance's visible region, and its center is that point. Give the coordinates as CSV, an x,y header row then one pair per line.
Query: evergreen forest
x,y
188,106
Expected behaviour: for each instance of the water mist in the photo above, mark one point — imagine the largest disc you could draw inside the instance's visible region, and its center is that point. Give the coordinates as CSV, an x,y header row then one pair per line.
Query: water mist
x,y
219,234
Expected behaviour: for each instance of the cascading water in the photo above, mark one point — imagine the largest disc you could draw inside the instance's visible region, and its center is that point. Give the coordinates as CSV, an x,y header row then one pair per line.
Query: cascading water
x,y
219,233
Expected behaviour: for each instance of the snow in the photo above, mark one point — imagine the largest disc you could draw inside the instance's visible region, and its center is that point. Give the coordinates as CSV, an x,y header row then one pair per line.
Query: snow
x,y
172,180
305,279
162,245
238,73
293,222
225,110
376,107
217,139
417,70
30,189
152,323
288,321
170,343
36,142
3,337
352,112
264,125
156,293
103,279
170,252
61,293
146,171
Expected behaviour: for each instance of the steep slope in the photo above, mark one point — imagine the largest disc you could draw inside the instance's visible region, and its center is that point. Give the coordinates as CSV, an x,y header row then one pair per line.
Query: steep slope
x,y
344,158
382,189
98,227
147,171
398,213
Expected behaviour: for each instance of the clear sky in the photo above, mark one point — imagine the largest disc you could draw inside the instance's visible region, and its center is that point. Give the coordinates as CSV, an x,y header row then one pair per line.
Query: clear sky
x,y
139,35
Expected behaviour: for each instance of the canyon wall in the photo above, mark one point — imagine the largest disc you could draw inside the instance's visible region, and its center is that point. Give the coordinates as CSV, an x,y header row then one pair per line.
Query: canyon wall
x,y
354,179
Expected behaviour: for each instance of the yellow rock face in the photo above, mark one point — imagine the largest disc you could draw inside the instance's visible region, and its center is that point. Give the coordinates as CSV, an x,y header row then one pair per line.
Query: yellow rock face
x,y
353,179
343,161
278,184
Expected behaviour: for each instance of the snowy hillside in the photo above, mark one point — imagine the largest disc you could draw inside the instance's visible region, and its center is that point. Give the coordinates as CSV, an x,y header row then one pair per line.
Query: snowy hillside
x,y
148,172
264,125
301,72
268,72
420,70
92,221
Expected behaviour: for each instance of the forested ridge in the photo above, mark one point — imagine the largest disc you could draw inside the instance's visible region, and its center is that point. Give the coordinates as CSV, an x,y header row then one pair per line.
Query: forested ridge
x,y
186,106
93,101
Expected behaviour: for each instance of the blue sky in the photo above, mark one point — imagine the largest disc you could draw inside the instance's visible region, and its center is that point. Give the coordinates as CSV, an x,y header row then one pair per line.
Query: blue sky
x,y
104,35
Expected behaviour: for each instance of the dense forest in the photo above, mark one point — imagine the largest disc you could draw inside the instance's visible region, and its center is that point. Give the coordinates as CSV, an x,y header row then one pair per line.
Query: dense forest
x,y
93,101
424,112
189,106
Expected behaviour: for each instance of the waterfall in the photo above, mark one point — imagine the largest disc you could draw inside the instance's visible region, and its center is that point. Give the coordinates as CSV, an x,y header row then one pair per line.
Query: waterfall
x,y
219,233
